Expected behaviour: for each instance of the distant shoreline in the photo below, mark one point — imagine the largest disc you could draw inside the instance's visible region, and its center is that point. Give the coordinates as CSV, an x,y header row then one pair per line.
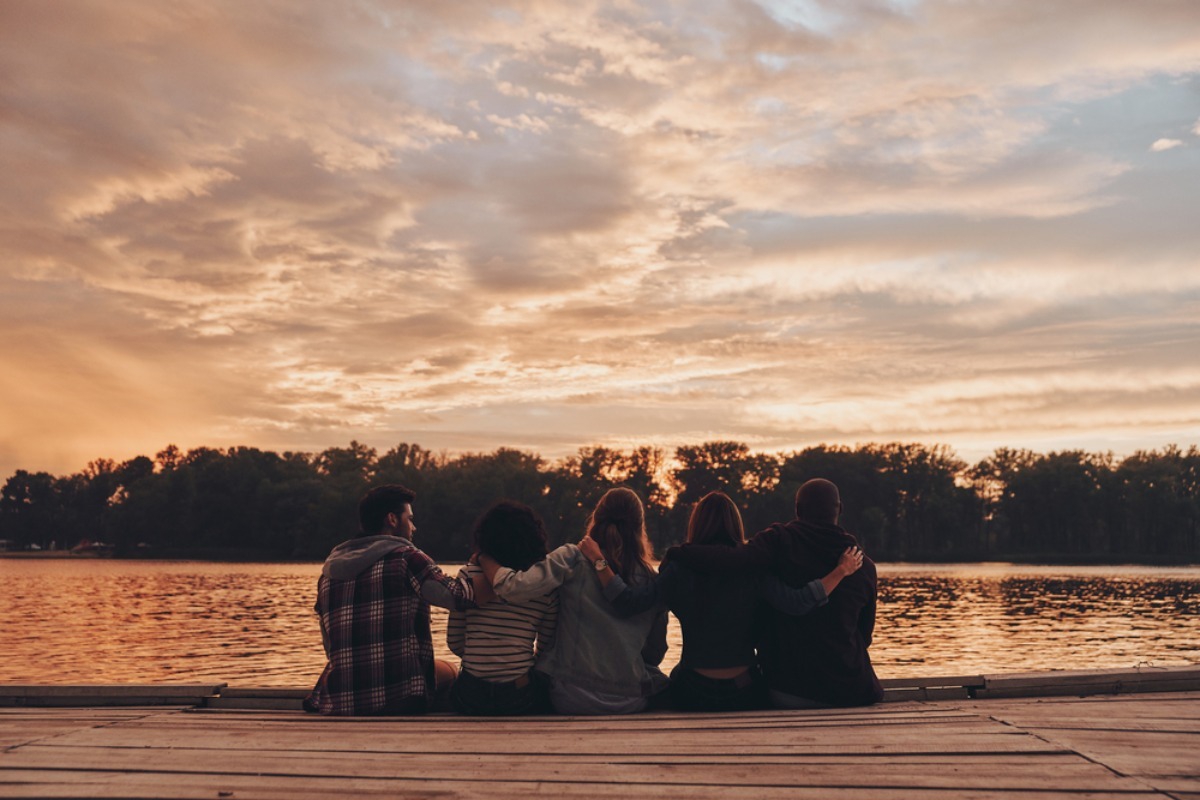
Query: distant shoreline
x,y
51,554
228,558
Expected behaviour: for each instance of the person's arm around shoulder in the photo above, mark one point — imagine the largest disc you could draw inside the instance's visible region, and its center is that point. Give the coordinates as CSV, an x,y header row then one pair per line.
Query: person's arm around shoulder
x,y
435,587
626,600
708,559
815,593
544,576
655,647
456,628
848,563
547,629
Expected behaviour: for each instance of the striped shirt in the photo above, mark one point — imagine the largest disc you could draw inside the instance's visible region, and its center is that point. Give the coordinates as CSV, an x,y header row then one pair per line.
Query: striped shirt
x,y
495,641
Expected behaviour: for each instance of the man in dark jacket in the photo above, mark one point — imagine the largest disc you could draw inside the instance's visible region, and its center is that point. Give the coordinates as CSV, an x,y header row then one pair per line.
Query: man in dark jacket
x,y
820,658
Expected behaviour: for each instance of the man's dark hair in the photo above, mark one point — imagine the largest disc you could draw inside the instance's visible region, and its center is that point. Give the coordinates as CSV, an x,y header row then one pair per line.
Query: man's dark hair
x,y
818,500
512,533
378,503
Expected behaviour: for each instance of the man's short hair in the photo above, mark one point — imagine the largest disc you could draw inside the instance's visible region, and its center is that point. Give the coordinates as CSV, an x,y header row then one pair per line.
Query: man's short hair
x,y
378,503
818,500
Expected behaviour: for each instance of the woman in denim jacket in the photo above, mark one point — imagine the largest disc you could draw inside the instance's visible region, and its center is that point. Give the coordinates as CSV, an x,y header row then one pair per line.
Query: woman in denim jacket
x,y
600,664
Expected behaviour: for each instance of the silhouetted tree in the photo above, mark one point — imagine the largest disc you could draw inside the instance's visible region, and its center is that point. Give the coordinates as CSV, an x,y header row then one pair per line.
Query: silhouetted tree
x,y
904,500
31,509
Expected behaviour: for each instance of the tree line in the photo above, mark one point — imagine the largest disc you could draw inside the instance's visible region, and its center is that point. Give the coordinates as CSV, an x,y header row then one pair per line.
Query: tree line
x,y
909,502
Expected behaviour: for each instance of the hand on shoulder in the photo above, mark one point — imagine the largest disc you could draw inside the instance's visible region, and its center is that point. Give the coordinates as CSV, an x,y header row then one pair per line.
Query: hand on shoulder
x,y
587,545
850,560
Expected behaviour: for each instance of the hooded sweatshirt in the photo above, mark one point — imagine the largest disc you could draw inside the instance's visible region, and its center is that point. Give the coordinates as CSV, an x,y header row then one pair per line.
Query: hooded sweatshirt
x,y
373,600
351,557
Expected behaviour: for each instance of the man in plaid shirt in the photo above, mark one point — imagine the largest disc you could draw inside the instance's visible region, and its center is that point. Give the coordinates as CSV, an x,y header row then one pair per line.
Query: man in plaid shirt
x,y
373,600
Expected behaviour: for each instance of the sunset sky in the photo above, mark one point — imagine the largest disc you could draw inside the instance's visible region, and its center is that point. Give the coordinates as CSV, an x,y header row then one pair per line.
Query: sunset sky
x,y
293,223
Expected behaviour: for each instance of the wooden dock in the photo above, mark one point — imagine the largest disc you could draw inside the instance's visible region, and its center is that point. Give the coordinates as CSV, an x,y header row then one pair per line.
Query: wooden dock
x,y
1075,738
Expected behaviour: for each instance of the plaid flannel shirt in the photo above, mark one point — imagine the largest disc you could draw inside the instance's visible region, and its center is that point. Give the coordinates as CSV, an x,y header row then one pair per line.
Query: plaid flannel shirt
x,y
375,628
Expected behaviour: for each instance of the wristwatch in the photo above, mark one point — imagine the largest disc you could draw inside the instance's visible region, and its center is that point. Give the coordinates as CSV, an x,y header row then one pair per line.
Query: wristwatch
x,y
600,564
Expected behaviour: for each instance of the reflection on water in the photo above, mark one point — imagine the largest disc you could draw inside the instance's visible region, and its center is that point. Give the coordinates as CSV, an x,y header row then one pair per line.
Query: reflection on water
x,y
1002,618
101,621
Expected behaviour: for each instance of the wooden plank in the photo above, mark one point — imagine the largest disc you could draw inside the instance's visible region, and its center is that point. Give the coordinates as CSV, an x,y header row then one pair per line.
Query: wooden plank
x,y
993,737
765,715
1114,702
1172,784
25,726
106,691
549,725
1182,705
264,691
39,784
346,738
72,702
1098,677
944,693
273,703
599,724
799,761
13,737
17,713
503,726
1004,690
1140,753
106,695
1040,724
932,682
1078,776
1043,720
896,690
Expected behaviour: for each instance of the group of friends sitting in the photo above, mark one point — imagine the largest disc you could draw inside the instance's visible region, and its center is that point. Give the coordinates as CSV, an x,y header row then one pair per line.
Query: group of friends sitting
x,y
782,620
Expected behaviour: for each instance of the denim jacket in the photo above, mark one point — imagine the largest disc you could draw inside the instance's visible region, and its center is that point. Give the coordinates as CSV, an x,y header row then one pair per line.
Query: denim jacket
x,y
593,648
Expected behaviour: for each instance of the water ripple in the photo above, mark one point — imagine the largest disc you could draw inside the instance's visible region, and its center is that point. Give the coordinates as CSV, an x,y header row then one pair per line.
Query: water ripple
x,y
99,621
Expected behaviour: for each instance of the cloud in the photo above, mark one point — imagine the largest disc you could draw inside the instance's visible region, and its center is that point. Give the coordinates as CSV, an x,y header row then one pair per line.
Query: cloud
x,y
472,225
1165,144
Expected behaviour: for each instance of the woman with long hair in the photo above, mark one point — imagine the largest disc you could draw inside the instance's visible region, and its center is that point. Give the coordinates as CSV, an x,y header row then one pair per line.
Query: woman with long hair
x,y
600,663
717,613
496,640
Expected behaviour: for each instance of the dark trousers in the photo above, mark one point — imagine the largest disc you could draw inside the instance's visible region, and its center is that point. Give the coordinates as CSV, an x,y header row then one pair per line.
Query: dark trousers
x,y
477,697
691,691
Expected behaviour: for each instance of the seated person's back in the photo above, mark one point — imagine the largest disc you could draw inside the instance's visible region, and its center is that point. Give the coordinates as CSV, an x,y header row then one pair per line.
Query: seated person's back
x,y
600,664
496,640
823,656
373,600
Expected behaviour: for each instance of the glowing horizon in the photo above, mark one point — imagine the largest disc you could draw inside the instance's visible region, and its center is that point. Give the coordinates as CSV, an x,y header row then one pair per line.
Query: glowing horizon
x,y
548,226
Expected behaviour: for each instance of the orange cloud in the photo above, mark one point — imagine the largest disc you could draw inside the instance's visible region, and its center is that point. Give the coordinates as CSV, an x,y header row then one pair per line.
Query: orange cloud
x,y
532,224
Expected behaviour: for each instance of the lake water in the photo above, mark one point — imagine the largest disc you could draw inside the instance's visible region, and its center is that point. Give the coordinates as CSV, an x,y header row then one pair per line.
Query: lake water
x,y
107,621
